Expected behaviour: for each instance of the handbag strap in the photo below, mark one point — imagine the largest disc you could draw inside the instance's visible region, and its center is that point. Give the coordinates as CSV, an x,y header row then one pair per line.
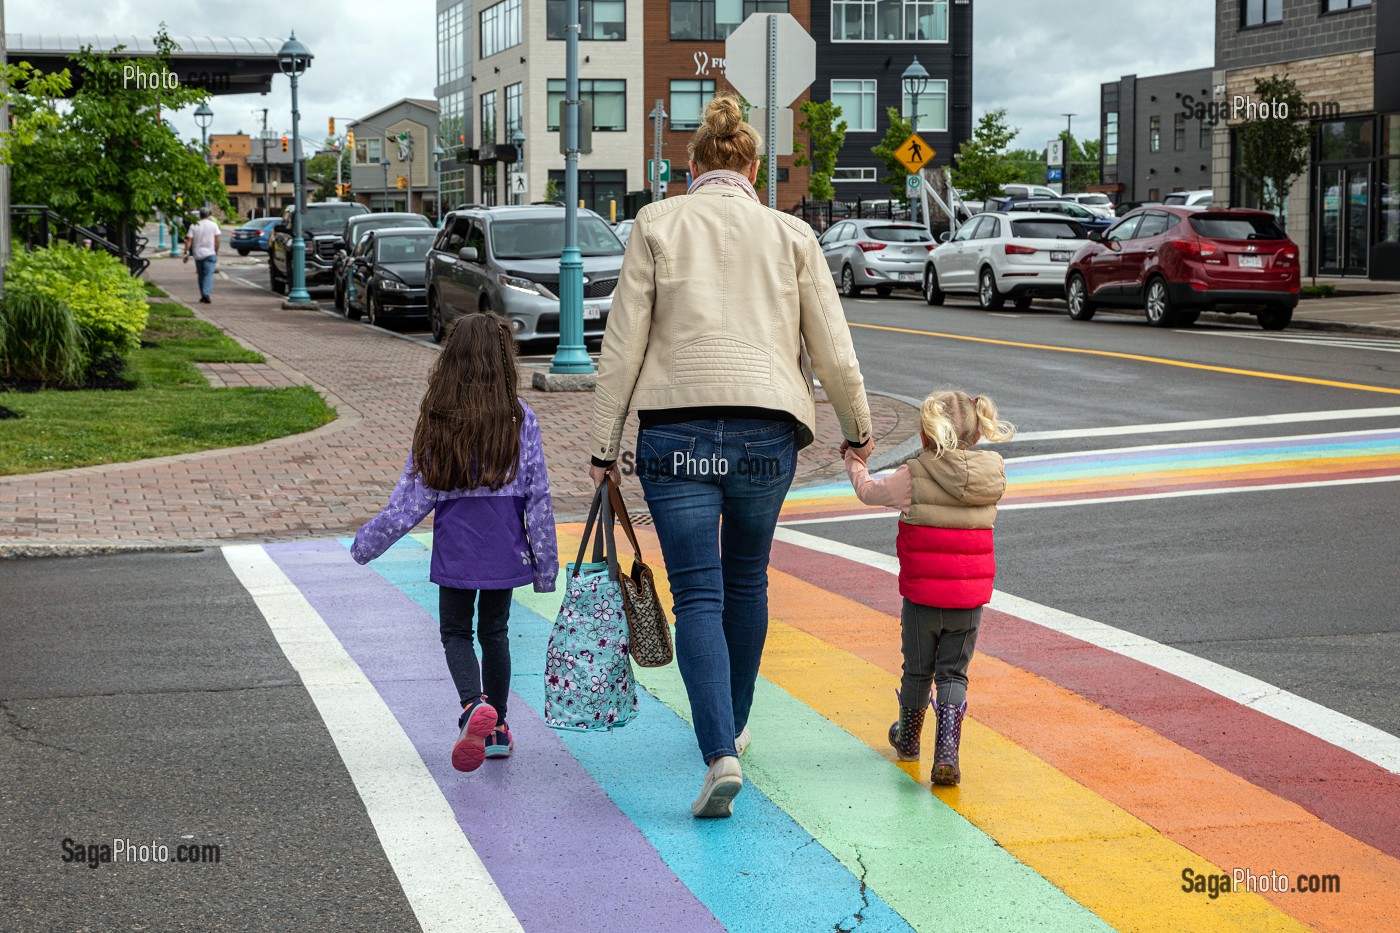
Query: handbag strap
x,y
604,545
620,507
588,528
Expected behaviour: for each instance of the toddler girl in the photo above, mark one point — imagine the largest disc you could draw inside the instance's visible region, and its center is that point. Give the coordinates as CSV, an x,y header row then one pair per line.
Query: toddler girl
x,y
947,497
477,460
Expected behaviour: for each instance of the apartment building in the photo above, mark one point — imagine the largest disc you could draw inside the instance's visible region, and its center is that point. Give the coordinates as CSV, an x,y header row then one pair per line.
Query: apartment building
x,y
1344,56
1151,141
386,171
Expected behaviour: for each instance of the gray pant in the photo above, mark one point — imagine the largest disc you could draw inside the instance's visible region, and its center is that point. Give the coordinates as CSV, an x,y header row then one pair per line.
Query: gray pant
x,y
938,646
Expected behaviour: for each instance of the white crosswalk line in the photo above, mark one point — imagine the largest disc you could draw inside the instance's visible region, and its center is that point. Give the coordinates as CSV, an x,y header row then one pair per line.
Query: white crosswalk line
x,y
1316,339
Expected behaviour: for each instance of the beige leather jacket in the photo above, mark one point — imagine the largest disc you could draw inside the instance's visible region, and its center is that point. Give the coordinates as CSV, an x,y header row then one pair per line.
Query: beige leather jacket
x,y
718,299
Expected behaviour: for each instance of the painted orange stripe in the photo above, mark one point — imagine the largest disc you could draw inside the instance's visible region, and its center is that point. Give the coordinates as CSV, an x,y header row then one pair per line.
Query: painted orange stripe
x,y
1197,804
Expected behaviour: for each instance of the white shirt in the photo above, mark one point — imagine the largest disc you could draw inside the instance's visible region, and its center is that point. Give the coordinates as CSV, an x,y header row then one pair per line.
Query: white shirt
x,y
203,237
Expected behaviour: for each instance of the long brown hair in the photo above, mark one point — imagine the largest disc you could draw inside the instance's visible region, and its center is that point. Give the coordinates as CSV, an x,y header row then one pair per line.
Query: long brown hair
x,y
468,432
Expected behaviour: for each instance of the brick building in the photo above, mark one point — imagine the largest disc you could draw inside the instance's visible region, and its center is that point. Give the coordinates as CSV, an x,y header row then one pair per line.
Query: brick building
x,y
239,159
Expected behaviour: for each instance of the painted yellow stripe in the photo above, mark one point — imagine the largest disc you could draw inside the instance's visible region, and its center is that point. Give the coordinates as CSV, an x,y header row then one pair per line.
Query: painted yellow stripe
x,y
1254,373
1106,859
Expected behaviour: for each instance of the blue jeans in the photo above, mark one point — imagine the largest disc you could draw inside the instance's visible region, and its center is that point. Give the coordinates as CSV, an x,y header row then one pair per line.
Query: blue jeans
x,y
714,489
204,268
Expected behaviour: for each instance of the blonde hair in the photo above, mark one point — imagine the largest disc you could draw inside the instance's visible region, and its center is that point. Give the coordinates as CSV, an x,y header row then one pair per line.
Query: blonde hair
x,y
954,421
724,140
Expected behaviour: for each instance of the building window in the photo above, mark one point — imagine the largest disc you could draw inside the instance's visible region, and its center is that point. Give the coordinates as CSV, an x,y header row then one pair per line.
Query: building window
x,y
716,19
933,107
452,122
1154,134
1179,132
688,100
449,32
889,21
500,27
856,98
1336,6
230,174
488,119
1110,141
853,174
599,20
488,184
597,187
609,103
1260,12
1341,140
512,110
1207,134
367,149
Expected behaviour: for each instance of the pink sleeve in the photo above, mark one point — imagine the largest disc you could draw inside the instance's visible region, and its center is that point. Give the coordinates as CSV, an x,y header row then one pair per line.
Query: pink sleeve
x,y
895,491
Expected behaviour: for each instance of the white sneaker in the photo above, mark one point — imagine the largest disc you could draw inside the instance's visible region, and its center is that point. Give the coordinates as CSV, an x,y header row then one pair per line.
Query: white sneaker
x,y
722,784
741,742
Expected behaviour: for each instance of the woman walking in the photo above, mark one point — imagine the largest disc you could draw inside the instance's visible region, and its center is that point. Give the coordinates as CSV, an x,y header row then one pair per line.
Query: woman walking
x,y
719,306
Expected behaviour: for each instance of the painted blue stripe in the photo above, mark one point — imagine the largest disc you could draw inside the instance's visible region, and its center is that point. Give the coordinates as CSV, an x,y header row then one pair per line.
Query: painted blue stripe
x,y
748,870
1162,464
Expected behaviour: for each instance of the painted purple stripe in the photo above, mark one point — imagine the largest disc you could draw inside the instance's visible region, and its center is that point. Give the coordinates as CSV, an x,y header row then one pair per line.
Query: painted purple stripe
x,y
1350,440
552,840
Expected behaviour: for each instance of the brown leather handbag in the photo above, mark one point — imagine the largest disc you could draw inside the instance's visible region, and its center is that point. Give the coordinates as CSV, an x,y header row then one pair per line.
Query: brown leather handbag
x,y
647,628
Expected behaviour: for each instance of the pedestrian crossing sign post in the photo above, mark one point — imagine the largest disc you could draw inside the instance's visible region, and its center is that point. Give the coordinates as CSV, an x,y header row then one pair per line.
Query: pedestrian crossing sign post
x,y
914,153
911,184
519,183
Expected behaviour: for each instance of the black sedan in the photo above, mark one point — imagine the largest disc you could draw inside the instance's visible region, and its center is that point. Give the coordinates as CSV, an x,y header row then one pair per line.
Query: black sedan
x,y
355,229
387,271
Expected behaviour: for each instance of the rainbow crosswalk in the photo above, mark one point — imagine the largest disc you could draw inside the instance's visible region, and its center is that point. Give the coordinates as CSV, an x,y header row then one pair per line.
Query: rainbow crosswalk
x,y
1093,779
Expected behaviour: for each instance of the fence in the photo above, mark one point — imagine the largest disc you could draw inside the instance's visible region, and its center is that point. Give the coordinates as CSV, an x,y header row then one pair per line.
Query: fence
x,y
36,226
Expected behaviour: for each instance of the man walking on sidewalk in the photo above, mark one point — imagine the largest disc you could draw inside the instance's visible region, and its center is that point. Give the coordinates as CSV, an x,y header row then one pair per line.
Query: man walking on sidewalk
x,y
202,242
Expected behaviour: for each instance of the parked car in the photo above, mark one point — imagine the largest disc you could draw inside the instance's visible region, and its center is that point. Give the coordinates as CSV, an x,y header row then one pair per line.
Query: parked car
x,y
1094,201
1126,206
1175,262
355,230
387,268
321,226
623,229
1021,255
506,260
879,254
1087,219
1197,199
1028,191
253,236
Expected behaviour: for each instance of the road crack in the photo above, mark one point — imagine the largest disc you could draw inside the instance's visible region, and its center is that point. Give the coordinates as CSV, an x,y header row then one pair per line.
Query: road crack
x,y
24,733
859,915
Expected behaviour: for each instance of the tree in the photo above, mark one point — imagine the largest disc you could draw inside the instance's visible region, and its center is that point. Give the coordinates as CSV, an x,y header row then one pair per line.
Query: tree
x,y
981,166
109,158
825,138
1029,165
320,169
1274,145
896,133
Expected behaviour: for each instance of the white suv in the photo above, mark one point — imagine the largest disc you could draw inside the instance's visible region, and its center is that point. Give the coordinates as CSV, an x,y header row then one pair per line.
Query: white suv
x,y
1025,192
1019,255
1200,200
1098,203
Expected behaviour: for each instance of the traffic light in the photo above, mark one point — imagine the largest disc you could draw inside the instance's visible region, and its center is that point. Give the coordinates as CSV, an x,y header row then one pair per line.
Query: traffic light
x,y
284,144
330,126
350,139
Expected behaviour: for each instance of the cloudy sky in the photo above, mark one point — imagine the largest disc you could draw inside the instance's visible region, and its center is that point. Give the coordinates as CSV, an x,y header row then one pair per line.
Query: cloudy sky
x,y
1038,58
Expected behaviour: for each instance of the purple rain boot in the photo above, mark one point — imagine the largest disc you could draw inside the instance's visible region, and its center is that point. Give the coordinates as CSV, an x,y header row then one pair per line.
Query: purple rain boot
x,y
905,731
945,747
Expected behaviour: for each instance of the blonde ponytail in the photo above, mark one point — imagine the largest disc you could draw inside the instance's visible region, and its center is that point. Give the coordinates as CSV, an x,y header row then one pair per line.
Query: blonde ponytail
x,y
993,428
952,421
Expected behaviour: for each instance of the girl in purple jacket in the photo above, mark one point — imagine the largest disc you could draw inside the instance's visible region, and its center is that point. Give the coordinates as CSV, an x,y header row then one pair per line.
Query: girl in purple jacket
x,y
477,460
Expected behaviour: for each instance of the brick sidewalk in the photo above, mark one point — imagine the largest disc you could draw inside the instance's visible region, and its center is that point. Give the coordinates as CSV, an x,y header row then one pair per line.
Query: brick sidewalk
x,y
327,481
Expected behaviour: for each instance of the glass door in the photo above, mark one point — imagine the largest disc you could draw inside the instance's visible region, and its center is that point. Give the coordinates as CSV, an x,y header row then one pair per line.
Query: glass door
x,y
1344,219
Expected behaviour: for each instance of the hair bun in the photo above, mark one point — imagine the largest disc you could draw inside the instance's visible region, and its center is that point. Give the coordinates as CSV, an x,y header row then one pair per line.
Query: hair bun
x,y
723,116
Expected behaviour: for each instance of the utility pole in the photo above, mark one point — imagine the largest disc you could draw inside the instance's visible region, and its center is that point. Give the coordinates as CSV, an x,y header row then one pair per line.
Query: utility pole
x,y
4,167
772,140
267,194
1069,144
408,205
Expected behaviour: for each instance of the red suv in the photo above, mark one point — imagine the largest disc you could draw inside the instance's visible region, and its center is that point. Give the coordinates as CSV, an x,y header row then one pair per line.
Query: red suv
x,y
1177,262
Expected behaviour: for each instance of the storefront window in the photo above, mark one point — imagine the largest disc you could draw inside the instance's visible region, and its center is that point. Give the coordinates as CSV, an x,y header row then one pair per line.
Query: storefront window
x,y
1346,139
1390,135
1390,201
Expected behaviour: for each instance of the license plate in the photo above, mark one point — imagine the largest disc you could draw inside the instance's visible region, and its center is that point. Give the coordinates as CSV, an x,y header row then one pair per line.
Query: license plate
x,y
909,276
592,314
1060,255
1251,262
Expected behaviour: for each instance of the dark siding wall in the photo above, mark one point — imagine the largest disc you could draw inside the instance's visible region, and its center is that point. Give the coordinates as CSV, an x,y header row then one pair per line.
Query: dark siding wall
x,y
1388,56
885,63
1305,32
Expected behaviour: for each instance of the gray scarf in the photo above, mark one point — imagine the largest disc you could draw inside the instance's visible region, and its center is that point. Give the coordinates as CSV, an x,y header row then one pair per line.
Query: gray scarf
x,y
724,177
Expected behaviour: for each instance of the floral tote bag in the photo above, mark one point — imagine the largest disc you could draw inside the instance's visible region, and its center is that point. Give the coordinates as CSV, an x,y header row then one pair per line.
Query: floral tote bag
x,y
588,681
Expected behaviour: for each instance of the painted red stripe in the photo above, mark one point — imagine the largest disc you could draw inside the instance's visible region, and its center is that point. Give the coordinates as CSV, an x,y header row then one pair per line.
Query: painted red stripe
x,y
1354,795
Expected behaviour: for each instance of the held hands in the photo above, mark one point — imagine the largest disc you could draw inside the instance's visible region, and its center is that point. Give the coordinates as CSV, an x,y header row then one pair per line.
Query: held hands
x,y
861,453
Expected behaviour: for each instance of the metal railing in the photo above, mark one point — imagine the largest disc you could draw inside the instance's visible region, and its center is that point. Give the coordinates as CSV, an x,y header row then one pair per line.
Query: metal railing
x,y
36,226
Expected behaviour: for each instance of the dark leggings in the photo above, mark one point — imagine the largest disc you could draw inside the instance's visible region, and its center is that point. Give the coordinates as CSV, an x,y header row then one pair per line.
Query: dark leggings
x,y
492,676
938,646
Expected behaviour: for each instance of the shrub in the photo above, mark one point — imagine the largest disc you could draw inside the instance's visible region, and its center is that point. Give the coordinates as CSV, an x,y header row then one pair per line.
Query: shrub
x,y
39,339
108,305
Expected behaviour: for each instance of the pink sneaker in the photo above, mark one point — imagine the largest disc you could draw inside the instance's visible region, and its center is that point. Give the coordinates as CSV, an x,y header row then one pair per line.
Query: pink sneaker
x,y
478,721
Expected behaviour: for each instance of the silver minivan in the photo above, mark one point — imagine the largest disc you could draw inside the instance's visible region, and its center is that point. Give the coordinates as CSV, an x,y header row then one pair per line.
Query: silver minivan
x,y
506,260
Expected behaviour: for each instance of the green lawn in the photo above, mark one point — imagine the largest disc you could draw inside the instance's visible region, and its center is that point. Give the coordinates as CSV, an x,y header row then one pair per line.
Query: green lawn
x,y
173,410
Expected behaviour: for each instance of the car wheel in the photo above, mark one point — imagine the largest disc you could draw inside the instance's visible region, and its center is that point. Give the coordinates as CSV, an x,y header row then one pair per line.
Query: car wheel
x,y
932,293
372,312
243,252
1081,306
849,288
435,319
1275,318
1023,304
884,291
1187,318
1159,305
339,296
279,284
987,295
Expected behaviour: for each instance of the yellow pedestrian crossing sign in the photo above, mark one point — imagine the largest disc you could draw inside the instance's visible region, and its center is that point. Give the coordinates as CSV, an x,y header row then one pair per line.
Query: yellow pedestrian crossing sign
x,y
914,153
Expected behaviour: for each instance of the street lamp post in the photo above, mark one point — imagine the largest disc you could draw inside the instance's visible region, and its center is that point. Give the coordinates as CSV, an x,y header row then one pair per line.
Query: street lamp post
x,y
518,138
438,153
1069,135
204,116
572,356
384,202
293,59
915,81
